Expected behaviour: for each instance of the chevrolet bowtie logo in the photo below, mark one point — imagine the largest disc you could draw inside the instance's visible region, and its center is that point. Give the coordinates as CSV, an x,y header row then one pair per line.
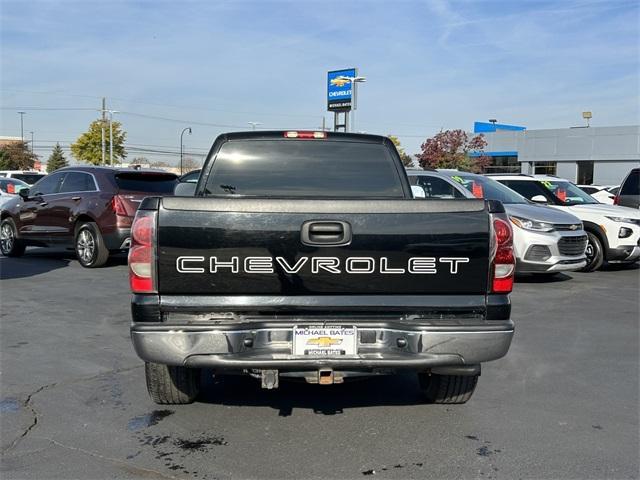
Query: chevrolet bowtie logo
x,y
324,341
339,82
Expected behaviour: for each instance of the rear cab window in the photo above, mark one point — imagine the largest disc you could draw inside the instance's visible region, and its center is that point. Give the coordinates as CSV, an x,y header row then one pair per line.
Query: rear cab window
x,y
147,182
301,168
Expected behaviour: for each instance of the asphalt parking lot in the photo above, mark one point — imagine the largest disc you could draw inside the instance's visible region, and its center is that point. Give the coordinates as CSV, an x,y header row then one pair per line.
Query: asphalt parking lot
x,y
562,404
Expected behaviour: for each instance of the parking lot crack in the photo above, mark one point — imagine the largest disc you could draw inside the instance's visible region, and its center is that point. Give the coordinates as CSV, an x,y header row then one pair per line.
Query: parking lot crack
x,y
122,463
27,403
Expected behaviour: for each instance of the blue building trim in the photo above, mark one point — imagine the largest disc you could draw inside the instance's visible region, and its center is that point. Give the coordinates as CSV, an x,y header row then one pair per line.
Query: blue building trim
x,y
485,127
494,154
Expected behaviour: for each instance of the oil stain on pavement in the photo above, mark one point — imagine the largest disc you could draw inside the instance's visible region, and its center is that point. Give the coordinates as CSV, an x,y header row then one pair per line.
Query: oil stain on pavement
x,y
148,419
173,452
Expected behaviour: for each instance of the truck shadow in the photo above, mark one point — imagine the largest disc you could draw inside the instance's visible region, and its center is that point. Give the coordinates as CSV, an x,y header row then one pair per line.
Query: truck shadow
x,y
243,391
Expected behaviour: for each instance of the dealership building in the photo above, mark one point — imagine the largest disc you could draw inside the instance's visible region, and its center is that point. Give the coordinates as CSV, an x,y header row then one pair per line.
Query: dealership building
x,y
584,155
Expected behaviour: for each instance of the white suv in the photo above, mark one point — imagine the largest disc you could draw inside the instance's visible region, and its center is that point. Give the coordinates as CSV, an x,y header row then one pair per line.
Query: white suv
x,y
614,232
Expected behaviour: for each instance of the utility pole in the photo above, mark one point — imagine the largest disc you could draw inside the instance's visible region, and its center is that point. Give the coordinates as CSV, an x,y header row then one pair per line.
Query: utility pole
x,y
110,138
31,142
22,125
104,110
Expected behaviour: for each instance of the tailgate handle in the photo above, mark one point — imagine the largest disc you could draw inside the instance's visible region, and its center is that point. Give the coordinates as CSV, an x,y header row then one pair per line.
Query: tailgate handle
x,y
325,233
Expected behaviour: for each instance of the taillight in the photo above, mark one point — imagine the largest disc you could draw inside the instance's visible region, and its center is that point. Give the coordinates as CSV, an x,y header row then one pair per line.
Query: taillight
x,y
142,256
118,206
11,188
295,134
504,263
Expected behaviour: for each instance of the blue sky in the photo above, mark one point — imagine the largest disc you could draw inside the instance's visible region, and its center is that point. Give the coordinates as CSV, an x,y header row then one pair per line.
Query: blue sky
x,y
217,65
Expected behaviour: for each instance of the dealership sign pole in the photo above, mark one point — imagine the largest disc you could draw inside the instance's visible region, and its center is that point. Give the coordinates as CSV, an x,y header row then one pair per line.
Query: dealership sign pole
x,y
340,96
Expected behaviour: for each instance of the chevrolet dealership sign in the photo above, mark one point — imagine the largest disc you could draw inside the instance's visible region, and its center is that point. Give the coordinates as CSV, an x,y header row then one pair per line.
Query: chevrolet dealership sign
x,y
340,89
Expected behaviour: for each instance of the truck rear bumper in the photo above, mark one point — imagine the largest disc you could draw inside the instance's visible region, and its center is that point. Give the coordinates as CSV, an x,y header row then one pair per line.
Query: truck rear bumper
x,y
270,348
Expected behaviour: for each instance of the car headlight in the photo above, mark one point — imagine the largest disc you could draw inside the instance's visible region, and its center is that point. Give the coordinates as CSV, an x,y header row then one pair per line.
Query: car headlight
x,y
533,225
634,221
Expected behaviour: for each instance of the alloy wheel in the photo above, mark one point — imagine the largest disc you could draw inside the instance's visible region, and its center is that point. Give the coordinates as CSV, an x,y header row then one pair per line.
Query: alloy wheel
x,y
590,252
7,237
86,246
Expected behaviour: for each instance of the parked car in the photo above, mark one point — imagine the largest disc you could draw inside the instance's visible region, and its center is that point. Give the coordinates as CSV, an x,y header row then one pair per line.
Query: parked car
x,y
89,208
305,255
190,177
629,195
613,231
9,188
602,193
545,240
29,177
608,195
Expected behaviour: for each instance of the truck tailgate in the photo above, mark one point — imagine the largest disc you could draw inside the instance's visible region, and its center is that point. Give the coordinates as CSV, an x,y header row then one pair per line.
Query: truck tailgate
x,y
248,246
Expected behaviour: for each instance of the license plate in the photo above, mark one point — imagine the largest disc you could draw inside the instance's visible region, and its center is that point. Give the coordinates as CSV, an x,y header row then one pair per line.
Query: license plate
x,y
324,341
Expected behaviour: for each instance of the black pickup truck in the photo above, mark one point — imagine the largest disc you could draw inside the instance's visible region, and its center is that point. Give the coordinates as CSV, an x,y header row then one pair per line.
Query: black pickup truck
x,y
304,254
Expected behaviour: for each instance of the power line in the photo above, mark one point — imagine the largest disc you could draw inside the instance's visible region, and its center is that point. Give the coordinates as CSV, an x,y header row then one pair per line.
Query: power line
x,y
185,107
177,120
49,109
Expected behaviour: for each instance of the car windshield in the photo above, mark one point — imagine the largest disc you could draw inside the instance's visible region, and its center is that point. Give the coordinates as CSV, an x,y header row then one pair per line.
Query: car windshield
x,y
12,185
567,193
483,187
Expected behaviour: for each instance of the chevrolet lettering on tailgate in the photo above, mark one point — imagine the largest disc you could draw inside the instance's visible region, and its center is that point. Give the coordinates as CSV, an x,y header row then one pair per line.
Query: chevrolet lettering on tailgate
x,y
415,265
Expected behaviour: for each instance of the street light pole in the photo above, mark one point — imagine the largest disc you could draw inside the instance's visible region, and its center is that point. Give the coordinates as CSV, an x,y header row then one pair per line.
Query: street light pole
x,y
31,142
181,134
354,81
22,125
254,124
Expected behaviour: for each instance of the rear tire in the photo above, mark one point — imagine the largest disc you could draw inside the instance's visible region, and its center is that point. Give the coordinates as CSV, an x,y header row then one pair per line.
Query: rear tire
x,y
169,385
89,245
10,246
447,388
594,252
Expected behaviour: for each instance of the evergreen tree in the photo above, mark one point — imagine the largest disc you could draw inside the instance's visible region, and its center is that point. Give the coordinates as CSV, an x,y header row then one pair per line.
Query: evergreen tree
x,y
56,160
